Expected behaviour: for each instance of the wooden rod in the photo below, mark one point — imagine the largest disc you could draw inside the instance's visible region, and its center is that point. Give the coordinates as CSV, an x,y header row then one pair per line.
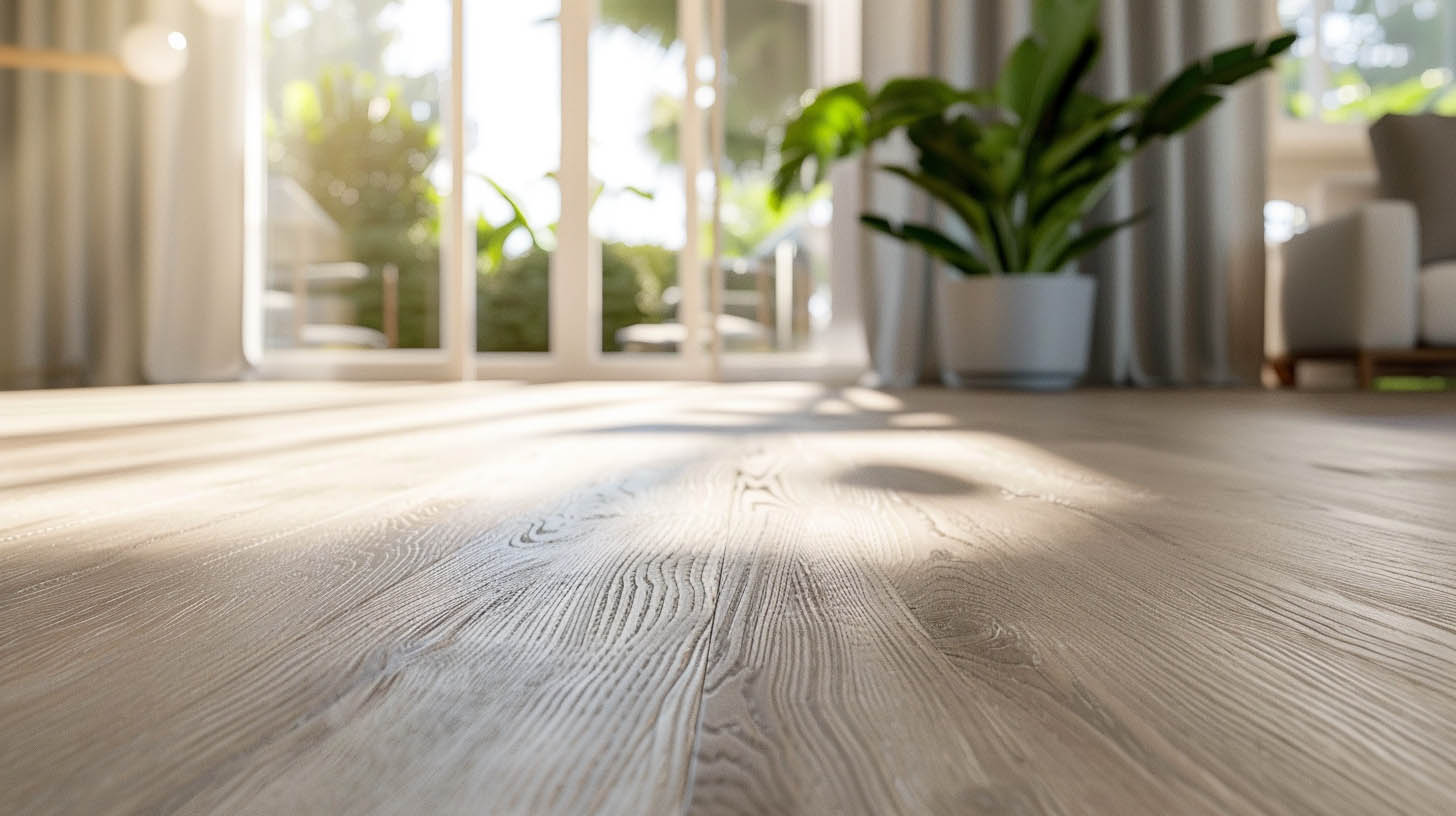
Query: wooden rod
x,y
71,62
300,302
717,149
391,304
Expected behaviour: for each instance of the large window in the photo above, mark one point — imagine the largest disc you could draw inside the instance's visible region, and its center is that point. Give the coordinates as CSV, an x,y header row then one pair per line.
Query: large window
x,y
1358,59
590,200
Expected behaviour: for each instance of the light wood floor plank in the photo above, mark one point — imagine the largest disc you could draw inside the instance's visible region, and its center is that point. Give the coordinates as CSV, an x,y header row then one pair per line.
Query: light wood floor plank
x,y
782,598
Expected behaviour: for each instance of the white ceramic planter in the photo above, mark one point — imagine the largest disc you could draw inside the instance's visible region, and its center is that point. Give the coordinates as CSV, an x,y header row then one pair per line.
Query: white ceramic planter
x,y
1014,331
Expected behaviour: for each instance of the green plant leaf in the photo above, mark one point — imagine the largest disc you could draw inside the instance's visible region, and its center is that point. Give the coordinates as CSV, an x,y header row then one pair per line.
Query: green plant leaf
x,y
970,211
1056,219
1093,238
1053,16
1067,31
518,215
1186,116
1011,247
1075,182
834,126
946,150
1060,94
907,100
1087,138
981,162
1196,90
490,239
1017,84
932,240
1002,153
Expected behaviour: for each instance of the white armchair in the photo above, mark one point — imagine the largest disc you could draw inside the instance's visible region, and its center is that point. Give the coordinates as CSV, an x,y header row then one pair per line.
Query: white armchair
x,y
1353,287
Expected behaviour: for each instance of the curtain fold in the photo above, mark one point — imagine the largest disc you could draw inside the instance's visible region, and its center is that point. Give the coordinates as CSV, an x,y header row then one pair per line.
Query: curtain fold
x,y
1180,297
120,206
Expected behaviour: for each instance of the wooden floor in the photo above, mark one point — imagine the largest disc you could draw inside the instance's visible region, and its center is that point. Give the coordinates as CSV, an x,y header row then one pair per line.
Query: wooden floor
x,y
645,599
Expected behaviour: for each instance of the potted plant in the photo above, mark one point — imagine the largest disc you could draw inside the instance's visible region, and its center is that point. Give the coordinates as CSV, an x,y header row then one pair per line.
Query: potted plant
x,y
1018,167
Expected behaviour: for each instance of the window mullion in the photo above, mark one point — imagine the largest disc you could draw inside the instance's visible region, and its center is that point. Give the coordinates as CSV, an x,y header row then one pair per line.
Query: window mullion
x,y
718,125
572,265
690,261
458,292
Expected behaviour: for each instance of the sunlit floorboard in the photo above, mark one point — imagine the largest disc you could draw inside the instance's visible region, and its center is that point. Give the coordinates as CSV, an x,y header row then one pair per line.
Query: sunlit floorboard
x,y
636,599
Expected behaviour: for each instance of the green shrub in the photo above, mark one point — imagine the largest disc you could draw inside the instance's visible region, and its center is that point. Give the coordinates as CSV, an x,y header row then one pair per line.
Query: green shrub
x,y
512,311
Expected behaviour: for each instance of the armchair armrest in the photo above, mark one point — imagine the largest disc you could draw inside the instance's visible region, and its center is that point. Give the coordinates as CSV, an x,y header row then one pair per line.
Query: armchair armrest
x,y
1352,283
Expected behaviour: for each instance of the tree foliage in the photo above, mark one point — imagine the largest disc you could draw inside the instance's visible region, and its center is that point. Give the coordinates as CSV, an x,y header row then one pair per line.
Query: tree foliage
x,y
768,69
302,38
353,145
1394,58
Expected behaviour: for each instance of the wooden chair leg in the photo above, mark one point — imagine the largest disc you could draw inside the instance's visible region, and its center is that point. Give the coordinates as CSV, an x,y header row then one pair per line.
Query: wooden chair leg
x,y
1365,368
1284,368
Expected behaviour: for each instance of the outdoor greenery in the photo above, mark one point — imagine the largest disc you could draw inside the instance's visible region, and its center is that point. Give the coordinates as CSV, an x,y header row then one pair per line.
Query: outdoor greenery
x,y
1020,164
767,67
355,148
367,163
512,299
363,143
513,291
1414,95
1374,57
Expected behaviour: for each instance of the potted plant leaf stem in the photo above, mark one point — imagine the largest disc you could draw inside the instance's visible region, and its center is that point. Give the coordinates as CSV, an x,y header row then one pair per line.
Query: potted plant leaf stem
x,y
1017,167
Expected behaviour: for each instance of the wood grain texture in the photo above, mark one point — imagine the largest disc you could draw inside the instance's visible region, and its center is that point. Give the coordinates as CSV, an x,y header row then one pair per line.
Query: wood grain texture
x,y
786,598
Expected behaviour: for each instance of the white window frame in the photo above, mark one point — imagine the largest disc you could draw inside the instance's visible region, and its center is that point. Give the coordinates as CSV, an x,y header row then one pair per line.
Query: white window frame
x,y
575,279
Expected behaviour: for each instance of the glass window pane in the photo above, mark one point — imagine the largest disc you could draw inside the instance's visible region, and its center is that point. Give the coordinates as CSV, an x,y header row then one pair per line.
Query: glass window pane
x,y
776,276
355,172
513,122
1357,60
638,215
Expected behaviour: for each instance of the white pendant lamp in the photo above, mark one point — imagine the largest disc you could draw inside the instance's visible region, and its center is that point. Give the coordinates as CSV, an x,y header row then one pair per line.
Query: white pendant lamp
x,y
153,54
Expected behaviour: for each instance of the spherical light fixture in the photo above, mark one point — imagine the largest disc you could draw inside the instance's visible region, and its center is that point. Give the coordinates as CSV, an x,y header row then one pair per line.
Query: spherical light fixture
x,y
153,54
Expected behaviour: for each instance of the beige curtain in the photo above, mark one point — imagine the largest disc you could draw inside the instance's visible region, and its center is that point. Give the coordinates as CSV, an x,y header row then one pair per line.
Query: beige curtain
x,y
1180,298
120,206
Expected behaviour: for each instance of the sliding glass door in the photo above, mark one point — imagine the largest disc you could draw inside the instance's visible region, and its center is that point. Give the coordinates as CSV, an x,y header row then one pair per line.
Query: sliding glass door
x,y
542,189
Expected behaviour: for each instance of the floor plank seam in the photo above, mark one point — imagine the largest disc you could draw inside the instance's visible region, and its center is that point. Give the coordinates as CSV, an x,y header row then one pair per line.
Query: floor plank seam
x,y
690,782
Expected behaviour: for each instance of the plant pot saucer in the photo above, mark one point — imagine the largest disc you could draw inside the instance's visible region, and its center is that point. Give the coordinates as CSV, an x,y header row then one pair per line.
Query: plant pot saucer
x,y
1011,382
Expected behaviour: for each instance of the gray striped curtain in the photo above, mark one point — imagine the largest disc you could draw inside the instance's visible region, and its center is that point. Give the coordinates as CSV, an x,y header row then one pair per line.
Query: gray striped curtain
x,y
1180,298
120,206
